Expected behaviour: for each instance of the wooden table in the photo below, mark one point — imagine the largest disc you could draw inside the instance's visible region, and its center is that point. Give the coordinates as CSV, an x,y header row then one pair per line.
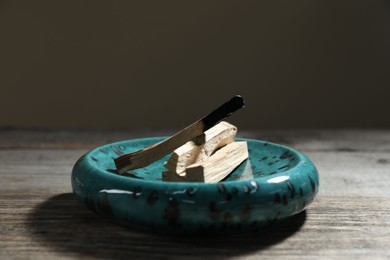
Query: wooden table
x,y
40,218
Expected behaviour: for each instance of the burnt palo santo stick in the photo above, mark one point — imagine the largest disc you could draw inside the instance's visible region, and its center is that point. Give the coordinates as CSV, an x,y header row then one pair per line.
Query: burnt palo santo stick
x,y
152,153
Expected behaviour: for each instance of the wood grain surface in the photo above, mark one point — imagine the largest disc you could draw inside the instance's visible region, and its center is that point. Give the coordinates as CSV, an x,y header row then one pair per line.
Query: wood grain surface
x,y
40,218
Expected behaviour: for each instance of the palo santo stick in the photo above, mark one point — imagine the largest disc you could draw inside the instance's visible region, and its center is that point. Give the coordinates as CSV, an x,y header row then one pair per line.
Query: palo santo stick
x,y
190,153
216,167
155,152
220,164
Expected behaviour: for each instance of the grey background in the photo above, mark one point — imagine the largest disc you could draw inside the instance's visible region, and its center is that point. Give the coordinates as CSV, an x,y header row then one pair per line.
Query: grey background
x,y
164,64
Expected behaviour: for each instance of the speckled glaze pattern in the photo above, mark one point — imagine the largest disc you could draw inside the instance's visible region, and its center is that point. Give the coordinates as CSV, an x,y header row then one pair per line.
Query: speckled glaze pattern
x,y
273,184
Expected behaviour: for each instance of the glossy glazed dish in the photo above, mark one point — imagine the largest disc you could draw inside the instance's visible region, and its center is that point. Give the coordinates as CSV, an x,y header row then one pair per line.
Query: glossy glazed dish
x,y
273,184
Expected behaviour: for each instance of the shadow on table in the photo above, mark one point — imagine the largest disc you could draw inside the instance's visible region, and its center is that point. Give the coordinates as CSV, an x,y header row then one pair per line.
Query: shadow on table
x,y
68,227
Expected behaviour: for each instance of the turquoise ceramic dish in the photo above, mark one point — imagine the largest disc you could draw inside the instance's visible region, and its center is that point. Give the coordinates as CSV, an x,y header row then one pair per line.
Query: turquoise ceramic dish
x,y
275,183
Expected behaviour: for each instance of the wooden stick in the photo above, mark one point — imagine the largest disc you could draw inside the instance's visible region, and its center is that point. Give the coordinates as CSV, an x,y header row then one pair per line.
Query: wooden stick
x,y
155,152
215,168
219,135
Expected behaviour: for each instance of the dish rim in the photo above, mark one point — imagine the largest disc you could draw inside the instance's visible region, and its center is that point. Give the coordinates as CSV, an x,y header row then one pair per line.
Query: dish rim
x,y
302,161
